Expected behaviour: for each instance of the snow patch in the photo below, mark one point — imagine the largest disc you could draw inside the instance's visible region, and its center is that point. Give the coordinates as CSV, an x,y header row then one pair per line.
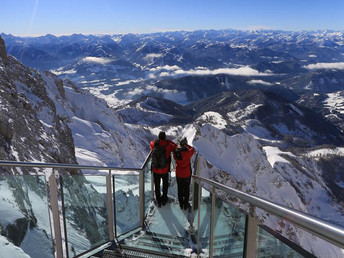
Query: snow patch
x,y
97,60
10,250
259,82
274,155
213,118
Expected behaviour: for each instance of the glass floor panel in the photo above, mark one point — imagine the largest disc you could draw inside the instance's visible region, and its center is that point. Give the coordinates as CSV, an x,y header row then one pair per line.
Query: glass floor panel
x,y
166,230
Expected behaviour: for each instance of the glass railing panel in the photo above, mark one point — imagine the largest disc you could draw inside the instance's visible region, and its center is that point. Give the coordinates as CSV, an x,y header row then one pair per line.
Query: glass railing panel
x,y
147,186
24,217
127,202
204,223
229,230
270,246
85,210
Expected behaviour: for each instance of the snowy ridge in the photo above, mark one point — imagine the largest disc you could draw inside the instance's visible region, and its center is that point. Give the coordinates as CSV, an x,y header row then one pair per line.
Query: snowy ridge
x,y
100,137
8,249
247,168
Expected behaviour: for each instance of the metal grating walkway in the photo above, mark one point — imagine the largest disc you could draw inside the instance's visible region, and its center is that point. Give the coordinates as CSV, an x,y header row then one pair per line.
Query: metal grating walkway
x,y
131,252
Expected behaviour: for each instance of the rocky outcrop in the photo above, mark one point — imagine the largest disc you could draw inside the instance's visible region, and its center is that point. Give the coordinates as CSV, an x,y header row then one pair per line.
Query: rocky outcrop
x,y
3,53
30,128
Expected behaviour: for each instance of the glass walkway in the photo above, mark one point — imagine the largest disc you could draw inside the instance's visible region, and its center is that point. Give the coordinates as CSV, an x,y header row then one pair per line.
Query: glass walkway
x,y
88,211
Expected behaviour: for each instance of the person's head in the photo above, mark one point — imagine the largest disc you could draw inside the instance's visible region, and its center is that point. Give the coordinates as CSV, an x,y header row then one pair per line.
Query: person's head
x,y
183,142
162,135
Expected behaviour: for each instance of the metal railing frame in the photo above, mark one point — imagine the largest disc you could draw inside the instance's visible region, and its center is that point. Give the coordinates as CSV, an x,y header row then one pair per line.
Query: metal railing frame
x,y
54,197
329,232
323,229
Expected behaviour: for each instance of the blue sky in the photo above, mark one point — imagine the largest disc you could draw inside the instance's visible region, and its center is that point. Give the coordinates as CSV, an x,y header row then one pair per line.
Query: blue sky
x,y
40,17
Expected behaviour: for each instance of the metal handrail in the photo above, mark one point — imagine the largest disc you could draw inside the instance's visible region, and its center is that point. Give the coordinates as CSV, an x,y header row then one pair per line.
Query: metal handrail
x,y
56,227
330,232
147,159
67,166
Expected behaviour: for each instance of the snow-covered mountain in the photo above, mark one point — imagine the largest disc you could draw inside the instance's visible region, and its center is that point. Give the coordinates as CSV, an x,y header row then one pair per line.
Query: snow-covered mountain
x,y
265,145
241,114
46,119
126,67
186,66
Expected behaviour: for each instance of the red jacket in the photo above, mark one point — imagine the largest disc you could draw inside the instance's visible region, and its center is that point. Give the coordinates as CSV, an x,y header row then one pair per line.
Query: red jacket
x,y
170,147
183,166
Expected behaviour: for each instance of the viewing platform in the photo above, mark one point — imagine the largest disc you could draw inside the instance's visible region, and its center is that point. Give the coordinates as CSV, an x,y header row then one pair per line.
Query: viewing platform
x,y
110,212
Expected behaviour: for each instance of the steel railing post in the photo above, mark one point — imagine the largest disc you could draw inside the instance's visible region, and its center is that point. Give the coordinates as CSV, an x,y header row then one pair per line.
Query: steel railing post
x,y
192,229
110,205
212,222
142,196
199,216
251,236
55,215
152,185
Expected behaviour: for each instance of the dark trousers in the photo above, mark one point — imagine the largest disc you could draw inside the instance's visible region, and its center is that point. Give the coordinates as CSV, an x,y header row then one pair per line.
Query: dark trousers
x,y
164,178
183,190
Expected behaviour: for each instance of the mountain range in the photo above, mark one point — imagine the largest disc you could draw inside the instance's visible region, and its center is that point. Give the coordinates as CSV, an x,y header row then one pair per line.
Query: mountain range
x,y
263,108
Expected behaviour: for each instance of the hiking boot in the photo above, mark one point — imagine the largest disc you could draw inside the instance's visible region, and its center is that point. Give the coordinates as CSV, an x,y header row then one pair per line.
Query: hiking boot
x,y
181,206
159,204
164,201
187,206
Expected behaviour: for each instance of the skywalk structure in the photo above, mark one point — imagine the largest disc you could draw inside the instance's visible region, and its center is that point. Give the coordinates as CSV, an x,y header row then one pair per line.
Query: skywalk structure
x,y
95,211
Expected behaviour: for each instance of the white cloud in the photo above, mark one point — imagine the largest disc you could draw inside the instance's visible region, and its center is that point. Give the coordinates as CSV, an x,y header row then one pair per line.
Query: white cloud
x,y
150,57
242,71
167,70
97,60
136,91
165,67
164,74
338,65
174,95
259,82
127,82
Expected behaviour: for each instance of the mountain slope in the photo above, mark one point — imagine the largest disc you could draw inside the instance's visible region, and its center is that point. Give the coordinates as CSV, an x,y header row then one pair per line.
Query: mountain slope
x,y
46,119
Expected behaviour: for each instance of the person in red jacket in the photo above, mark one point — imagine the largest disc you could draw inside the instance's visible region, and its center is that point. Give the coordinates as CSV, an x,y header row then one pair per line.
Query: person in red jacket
x,y
182,156
162,173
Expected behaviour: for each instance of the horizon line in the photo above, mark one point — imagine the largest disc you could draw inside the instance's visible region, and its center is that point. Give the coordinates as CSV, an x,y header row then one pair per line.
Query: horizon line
x,y
169,31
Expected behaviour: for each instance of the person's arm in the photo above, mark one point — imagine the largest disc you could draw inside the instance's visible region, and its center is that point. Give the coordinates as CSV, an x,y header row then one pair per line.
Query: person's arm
x,y
152,145
173,146
191,151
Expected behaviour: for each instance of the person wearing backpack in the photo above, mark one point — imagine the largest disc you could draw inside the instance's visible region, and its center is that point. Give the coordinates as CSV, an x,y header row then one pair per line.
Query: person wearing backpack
x,y
161,160
182,156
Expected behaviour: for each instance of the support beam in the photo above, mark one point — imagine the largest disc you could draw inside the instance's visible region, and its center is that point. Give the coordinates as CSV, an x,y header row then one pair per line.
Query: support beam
x,y
110,206
195,187
251,233
199,216
55,215
212,222
142,196
152,185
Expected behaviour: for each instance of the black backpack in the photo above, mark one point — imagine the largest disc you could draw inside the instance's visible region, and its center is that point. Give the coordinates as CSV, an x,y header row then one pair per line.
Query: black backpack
x,y
159,159
178,152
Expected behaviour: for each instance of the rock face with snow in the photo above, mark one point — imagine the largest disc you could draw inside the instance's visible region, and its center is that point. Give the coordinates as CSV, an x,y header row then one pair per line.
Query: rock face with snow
x,y
288,178
31,129
46,119
265,145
